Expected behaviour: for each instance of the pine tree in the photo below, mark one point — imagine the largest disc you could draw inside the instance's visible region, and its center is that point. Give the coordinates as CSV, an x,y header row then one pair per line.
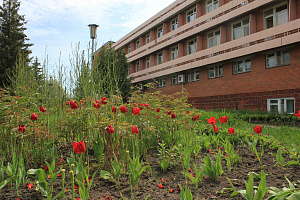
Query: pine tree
x,y
12,39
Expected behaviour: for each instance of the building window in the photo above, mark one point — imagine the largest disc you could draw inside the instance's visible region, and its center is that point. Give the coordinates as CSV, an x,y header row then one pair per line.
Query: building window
x,y
128,48
174,53
275,16
137,44
147,38
278,58
242,66
174,24
193,75
240,29
159,32
160,58
191,46
215,71
213,38
161,82
174,79
281,105
137,66
211,5
147,62
191,15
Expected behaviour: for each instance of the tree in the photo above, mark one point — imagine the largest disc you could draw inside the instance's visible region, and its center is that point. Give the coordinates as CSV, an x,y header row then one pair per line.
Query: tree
x,y
110,72
12,39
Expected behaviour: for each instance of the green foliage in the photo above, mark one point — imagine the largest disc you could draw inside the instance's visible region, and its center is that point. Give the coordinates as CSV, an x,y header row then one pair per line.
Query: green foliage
x,y
279,158
290,193
110,72
185,194
12,39
198,175
84,190
248,193
211,168
136,170
117,166
15,173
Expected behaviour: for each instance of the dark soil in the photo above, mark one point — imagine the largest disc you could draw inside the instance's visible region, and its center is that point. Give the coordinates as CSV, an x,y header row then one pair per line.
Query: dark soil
x,y
149,181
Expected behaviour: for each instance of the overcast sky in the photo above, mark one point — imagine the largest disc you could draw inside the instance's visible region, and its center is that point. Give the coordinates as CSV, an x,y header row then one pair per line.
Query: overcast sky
x,y
57,26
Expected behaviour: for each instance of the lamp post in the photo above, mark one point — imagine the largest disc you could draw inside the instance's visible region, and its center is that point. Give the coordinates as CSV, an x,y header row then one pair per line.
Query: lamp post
x,y
93,28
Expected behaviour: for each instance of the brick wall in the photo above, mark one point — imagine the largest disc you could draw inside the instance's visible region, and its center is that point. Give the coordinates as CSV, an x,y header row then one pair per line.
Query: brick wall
x,y
246,90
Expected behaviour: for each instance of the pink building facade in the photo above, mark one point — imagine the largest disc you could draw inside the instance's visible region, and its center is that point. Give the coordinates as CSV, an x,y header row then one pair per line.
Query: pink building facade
x,y
239,54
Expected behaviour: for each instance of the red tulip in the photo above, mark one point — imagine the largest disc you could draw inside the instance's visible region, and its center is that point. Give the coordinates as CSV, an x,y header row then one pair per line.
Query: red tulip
x,y
157,109
42,109
123,109
18,199
169,112
231,130
29,186
34,117
141,106
110,129
194,118
223,119
147,105
45,168
215,129
161,186
68,102
136,111
188,112
135,130
79,147
104,100
157,117
212,120
97,103
114,109
297,114
173,115
134,104
73,104
22,128
257,129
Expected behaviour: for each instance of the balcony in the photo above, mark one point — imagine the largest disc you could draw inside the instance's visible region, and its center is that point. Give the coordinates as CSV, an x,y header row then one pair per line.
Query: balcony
x,y
275,37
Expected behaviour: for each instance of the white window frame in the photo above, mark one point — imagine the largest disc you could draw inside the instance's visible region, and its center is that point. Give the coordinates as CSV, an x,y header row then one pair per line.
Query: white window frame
x,y
147,38
174,24
193,75
160,57
216,40
194,44
274,14
281,104
137,44
243,26
191,15
161,82
174,52
243,62
159,32
277,58
216,70
175,79
148,62
137,66
129,48
214,4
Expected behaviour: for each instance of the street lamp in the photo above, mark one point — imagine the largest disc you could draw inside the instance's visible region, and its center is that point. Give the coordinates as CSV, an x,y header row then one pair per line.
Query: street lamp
x,y
93,28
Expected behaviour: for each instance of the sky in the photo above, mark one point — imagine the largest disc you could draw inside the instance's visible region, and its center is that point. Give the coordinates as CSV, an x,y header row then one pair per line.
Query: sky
x,y
58,27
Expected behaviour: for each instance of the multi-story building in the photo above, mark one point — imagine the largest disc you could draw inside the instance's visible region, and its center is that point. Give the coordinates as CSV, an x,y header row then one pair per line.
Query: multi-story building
x,y
241,54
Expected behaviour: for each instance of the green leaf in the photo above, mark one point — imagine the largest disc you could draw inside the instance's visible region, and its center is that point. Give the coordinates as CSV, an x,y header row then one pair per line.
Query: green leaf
x,y
249,187
294,196
105,174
